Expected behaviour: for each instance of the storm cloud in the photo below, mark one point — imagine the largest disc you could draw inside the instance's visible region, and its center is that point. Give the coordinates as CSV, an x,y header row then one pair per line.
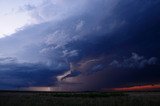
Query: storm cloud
x,y
15,75
83,45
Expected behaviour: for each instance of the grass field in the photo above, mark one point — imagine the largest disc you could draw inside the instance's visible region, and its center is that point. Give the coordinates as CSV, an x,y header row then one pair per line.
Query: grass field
x,y
79,99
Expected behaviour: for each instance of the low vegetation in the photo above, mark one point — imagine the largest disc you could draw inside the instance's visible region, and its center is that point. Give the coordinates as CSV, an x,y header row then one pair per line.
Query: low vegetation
x,y
79,99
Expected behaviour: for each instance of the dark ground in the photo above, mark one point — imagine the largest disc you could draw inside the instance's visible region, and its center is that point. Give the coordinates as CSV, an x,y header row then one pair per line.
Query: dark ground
x,y
79,99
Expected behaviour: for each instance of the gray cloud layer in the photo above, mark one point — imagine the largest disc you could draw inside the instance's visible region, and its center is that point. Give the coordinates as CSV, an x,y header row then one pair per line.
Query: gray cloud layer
x,y
93,36
135,61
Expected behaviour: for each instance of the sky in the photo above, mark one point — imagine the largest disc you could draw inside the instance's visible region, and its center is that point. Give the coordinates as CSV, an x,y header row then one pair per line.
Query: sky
x,y
78,45
13,15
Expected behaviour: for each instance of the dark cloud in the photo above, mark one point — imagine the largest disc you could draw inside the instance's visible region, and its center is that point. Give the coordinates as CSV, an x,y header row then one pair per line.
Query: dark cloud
x,y
96,37
101,73
135,61
15,75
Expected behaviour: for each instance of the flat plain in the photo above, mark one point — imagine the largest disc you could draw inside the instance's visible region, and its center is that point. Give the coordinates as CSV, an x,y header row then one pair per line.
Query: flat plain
x,y
21,98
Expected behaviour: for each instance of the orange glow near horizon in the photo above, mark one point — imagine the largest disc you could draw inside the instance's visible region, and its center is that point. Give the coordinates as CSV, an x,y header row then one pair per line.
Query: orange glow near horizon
x,y
138,88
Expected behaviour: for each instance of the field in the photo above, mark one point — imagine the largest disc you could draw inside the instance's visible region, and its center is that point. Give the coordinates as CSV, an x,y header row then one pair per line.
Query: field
x,y
79,99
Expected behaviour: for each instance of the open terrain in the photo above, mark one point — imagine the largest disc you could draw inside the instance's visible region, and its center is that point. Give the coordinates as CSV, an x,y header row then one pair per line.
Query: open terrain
x,y
15,98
